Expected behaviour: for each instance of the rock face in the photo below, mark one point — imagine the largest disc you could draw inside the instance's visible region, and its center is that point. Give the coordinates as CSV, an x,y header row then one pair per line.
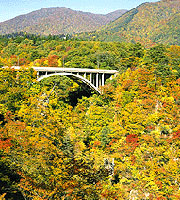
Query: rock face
x,y
57,21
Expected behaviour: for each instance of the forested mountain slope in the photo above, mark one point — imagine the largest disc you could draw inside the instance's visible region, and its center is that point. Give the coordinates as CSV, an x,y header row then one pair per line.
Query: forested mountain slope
x,y
115,14
53,149
57,21
149,23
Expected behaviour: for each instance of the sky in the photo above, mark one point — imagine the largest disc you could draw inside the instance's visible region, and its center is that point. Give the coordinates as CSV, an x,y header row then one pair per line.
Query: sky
x,y
12,8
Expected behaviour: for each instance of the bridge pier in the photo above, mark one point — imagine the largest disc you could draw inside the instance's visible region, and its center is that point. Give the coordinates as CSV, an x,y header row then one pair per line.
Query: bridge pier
x,y
97,80
37,74
85,75
103,80
90,78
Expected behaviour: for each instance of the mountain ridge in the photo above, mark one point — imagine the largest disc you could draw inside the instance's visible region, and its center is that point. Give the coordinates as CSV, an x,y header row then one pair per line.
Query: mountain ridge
x,y
149,23
57,20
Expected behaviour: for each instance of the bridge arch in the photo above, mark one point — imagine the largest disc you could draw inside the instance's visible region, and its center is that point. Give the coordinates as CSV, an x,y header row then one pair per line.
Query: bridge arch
x,y
74,77
97,77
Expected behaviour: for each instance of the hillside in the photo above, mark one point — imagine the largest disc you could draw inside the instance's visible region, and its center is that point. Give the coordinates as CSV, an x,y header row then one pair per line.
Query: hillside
x,y
115,14
149,23
56,142
57,21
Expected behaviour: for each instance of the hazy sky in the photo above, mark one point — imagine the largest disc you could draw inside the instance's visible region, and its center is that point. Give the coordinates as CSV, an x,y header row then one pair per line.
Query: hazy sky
x,y
13,8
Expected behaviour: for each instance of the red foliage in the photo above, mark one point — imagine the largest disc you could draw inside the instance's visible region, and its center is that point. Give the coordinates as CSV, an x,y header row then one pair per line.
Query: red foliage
x,y
148,103
97,143
161,198
150,127
127,83
132,142
176,135
5,144
159,184
53,61
112,141
133,159
178,81
131,139
165,105
8,116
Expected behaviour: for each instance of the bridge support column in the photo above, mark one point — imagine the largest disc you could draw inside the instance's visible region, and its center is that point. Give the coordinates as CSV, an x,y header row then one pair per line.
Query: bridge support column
x,y
37,74
103,80
100,79
94,79
97,80
90,78
85,75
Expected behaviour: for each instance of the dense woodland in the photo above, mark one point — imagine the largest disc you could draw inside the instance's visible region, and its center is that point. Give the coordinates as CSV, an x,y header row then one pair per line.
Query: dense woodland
x,y
123,144
149,24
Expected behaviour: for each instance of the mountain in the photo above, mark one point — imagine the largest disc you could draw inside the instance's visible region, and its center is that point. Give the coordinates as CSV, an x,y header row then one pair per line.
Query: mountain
x,y
115,14
148,24
57,21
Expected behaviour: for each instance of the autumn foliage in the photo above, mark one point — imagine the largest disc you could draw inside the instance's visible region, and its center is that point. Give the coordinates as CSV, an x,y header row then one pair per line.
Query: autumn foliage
x,y
123,144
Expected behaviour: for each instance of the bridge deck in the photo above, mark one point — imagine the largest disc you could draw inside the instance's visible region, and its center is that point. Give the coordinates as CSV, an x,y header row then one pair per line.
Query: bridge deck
x,y
75,70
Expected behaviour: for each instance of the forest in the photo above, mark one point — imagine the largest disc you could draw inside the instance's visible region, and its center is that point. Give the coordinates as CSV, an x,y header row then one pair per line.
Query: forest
x,y
57,143
149,24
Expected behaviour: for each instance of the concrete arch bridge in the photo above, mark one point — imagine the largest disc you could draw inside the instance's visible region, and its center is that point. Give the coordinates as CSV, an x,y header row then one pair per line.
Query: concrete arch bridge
x,y
94,78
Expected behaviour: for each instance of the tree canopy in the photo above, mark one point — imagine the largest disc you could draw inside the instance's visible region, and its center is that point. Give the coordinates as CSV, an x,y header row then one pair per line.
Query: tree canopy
x,y
123,144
